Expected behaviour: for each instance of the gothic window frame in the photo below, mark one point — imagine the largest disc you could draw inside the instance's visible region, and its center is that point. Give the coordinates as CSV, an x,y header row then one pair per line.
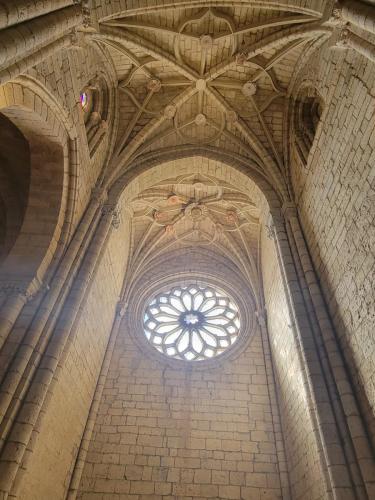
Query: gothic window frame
x,y
192,323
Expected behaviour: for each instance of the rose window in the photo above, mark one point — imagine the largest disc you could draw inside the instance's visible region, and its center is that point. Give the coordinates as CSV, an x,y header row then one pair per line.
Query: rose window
x,y
192,323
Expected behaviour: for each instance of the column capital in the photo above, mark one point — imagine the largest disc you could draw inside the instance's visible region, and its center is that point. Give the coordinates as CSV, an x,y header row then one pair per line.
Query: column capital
x,y
86,11
121,308
289,209
77,38
99,194
261,316
342,40
114,211
269,227
337,17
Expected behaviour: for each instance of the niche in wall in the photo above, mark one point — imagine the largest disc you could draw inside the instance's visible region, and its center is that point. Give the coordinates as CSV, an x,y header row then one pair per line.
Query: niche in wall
x,y
14,182
308,108
94,99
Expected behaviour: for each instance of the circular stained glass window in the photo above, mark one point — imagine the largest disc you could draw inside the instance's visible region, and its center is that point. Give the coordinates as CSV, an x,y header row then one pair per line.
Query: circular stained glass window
x,y
192,323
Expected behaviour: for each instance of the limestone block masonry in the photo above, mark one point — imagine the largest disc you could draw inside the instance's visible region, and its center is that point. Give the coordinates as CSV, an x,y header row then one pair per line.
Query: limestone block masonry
x,y
146,145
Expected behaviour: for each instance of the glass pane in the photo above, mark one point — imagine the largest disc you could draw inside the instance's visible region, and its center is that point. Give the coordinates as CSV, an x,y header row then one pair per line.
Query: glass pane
x,y
191,322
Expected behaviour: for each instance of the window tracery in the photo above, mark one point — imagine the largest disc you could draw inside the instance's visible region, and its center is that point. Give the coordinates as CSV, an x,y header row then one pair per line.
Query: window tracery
x,y
192,323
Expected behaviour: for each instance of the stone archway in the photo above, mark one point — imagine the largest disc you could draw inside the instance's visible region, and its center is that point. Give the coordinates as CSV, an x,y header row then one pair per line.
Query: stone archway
x,y
45,223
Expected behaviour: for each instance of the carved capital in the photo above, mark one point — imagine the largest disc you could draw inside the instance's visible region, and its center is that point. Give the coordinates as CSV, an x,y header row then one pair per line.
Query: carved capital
x,y
289,209
116,218
270,228
86,13
103,126
342,41
99,194
261,316
114,212
121,308
76,38
336,17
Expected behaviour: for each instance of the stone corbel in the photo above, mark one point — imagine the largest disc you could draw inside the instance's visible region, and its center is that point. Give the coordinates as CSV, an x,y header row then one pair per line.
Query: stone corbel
x,y
113,211
99,195
121,308
337,18
86,11
289,210
261,316
348,40
77,39
270,228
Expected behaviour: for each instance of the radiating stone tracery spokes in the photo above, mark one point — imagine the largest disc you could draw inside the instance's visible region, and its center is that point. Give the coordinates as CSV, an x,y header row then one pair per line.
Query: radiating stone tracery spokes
x,y
192,323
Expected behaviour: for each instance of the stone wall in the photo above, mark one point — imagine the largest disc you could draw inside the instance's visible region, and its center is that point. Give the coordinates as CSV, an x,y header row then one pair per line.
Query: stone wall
x,y
306,476
48,473
183,433
335,195
65,75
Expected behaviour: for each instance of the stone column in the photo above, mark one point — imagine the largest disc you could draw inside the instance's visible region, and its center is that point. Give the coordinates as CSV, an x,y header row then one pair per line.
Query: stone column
x,y
337,474
15,45
14,70
86,438
345,408
16,12
15,297
31,349
275,408
359,14
12,455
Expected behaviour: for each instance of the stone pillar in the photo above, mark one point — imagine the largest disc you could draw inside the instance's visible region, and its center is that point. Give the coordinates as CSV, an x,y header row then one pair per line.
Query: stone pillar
x,y
337,473
276,420
13,452
14,298
358,453
359,14
27,356
14,70
14,44
86,438
16,12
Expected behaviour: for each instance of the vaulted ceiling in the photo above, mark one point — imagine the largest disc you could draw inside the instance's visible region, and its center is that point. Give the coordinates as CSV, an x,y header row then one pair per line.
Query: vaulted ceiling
x,y
205,76
213,75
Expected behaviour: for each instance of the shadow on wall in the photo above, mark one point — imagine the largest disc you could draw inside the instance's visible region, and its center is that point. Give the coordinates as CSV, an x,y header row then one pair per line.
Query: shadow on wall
x,y
14,183
31,192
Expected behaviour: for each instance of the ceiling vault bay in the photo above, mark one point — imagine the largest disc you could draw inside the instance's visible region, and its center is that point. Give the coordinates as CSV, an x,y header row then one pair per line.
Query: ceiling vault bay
x,y
204,75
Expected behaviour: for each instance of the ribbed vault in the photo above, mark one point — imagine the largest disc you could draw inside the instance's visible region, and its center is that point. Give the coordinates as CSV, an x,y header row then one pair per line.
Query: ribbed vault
x,y
207,75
